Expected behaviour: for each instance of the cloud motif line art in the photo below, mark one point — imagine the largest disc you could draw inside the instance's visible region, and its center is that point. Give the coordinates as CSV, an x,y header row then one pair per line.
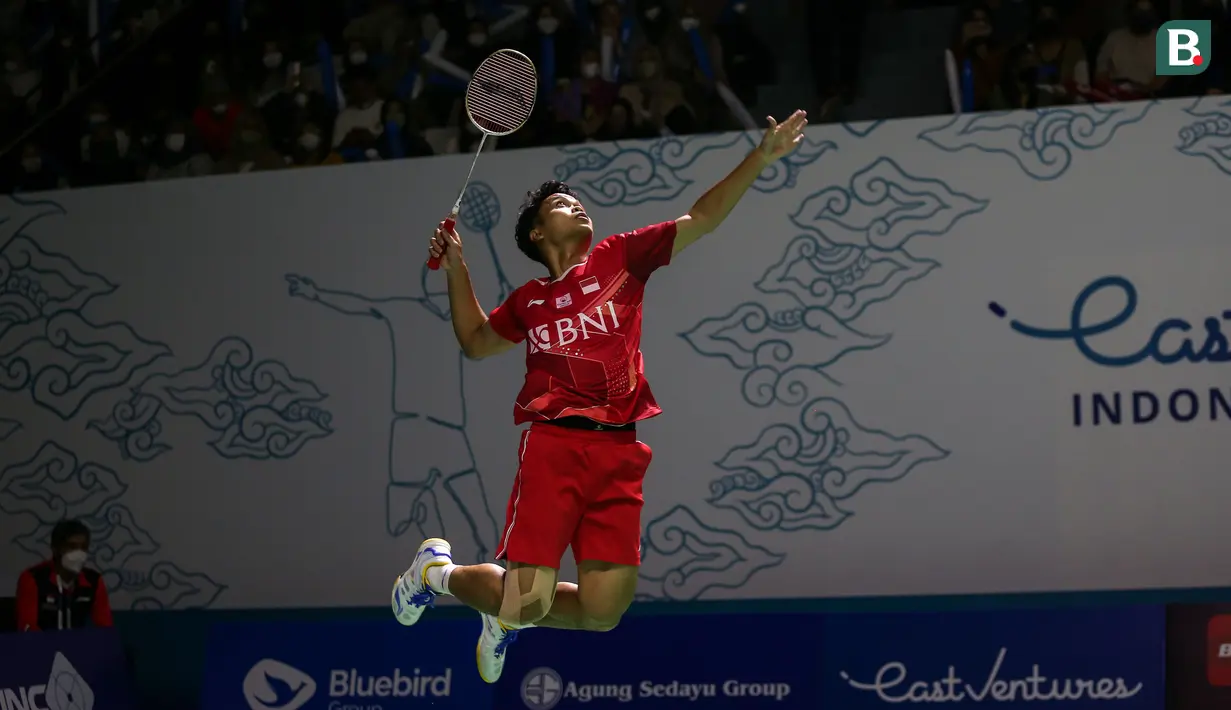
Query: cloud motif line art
x,y
862,129
1042,142
794,476
683,558
1209,136
8,427
434,484
48,347
631,173
53,485
884,207
256,409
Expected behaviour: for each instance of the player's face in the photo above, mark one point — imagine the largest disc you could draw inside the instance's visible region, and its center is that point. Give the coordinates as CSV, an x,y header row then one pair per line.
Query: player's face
x,y
563,221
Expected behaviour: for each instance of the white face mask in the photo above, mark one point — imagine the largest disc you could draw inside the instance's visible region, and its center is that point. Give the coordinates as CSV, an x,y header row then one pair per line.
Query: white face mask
x,y
653,13
301,99
175,142
309,141
32,165
589,70
74,561
10,67
372,154
220,108
273,60
690,23
98,119
477,39
358,57
740,8
548,25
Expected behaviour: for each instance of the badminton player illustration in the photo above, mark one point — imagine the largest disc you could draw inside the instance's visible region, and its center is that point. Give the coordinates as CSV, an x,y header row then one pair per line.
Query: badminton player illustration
x,y
580,465
434,485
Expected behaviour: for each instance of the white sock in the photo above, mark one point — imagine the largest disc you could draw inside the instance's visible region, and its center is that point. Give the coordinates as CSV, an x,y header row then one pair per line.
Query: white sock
x,y
438,577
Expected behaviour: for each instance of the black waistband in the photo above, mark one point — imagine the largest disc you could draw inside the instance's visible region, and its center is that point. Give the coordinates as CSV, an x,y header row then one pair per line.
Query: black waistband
x,y
589,424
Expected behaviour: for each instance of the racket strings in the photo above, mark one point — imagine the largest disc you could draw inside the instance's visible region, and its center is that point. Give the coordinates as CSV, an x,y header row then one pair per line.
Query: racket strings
x,y
502,92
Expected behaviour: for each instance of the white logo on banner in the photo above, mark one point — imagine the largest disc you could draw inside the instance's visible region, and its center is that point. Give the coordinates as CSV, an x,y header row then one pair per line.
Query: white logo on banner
x,y
542,689
273,685
65,690
892,686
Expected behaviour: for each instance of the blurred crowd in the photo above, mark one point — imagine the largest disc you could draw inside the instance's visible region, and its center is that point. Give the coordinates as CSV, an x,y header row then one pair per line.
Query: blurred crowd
x,y
1056,52
291,83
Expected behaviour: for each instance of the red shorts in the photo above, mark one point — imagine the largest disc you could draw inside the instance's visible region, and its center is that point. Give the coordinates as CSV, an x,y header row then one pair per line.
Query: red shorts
x,y
575,487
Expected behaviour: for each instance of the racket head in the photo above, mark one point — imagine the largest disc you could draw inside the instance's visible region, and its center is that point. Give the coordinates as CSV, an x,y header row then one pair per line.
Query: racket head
x,y
501,94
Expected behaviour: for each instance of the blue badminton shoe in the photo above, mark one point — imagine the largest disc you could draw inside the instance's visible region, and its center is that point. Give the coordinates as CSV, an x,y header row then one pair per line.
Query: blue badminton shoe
x,y
411,592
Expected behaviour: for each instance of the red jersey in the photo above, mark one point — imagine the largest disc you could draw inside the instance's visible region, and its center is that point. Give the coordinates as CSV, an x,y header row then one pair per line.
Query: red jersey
x,y
583,333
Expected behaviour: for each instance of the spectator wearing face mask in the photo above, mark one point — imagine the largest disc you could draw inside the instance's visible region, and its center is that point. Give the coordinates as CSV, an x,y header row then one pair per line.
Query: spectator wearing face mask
x,y
250,151
1126,59
36,172
975,43
62,593
22,78
311,149
357,58
271,75
694,54
98,116
594,93
215,119
652,95
287,113
551,44
359,124
614,41
178,154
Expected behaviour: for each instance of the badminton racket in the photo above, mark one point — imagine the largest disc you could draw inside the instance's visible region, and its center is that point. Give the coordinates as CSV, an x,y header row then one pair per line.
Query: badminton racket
x,y
499,99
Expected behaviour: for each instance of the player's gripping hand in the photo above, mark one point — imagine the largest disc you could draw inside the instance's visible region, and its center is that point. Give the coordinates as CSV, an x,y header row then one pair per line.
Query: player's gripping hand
x,y
446,246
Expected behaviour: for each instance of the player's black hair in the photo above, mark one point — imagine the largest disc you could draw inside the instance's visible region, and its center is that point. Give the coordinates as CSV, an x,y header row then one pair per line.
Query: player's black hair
x,y
528,216
66,529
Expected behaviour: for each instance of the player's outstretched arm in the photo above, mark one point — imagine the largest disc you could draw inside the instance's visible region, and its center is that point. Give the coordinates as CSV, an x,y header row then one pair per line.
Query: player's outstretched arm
x,y
714,206
470,324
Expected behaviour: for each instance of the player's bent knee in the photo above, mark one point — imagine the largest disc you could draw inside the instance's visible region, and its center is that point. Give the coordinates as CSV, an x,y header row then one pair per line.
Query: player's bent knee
x,y
528,595
602,623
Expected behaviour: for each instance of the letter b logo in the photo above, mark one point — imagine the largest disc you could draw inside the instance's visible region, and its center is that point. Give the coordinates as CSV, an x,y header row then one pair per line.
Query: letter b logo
x,y
1218,660
1224,651
1182,48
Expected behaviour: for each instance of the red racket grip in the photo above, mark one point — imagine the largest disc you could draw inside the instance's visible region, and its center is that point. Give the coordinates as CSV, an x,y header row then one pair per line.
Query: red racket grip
x,y
433,262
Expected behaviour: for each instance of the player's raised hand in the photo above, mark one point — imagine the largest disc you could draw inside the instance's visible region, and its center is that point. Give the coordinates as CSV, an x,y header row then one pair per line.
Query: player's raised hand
x,y
447,247
782,138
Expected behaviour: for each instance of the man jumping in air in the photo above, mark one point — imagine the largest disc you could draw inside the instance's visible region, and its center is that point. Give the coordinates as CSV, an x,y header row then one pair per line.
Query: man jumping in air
x,y
580,466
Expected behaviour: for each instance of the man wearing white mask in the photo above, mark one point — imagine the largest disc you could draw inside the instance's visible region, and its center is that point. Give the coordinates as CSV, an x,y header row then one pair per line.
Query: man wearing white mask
x,y
61,593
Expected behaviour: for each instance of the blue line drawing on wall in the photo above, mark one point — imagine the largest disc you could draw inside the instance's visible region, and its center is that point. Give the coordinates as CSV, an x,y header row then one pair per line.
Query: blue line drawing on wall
x,y
794,476
256,409
682,558
435,486
843,280
635,172
1041,142
883,207
862,129
47,345
8,427
53,485
1209,137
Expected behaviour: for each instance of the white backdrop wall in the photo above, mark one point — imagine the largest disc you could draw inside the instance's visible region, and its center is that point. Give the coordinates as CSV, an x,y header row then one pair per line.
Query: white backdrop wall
x,y
249,388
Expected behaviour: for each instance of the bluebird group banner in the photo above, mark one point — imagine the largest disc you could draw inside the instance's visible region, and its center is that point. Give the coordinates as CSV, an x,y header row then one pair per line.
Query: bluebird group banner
x,y
663,662
1199,656
1069,658
72,670
334,665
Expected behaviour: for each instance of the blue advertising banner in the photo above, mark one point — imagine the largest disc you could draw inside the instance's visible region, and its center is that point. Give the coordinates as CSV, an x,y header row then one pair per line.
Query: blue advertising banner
x,y
663,662
64,670
344,664
1076,658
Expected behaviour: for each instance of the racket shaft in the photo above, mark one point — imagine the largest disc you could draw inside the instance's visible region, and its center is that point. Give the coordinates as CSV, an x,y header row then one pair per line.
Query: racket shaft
x,y
433,262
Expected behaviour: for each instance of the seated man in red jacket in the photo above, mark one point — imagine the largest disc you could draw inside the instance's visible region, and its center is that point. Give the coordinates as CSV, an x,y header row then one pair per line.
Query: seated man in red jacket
x,y
61,593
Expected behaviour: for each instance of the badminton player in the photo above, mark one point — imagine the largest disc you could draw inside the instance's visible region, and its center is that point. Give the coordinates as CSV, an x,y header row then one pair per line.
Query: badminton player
x,y
580,465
